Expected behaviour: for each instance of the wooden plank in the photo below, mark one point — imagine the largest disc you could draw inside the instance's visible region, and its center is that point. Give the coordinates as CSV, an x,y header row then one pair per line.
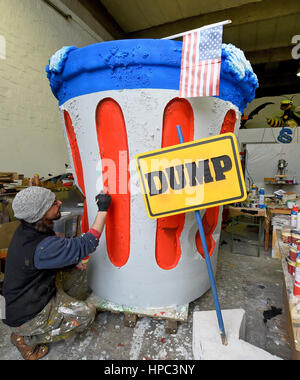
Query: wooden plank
x,y
283,211
12,175
237,211
174,313
275,244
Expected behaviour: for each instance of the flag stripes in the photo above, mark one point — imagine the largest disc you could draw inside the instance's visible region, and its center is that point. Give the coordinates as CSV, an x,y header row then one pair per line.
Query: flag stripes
x,y
199,77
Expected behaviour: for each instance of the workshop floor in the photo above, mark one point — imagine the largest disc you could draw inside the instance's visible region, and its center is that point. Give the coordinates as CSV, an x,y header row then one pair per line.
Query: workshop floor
x,y
243,281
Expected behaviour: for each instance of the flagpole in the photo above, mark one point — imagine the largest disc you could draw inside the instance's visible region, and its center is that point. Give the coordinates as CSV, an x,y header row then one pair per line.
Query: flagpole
x,y
201,28
208,263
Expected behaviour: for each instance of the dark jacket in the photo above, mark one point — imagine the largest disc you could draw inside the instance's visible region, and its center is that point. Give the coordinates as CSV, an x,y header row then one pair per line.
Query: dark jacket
x,y
26,289
33,260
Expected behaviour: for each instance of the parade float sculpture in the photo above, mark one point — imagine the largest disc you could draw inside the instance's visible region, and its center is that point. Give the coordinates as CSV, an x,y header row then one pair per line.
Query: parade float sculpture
x,y
116,100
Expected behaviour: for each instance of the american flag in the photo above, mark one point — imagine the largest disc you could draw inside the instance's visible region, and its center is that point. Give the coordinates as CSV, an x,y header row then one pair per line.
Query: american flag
x,y
201,63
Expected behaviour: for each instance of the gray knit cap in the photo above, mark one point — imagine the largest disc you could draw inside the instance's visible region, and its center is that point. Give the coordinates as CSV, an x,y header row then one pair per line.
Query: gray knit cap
x,y
32,203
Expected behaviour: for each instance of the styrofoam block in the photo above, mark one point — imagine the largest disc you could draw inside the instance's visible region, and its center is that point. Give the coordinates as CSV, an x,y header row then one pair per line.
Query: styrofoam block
x,y
207,343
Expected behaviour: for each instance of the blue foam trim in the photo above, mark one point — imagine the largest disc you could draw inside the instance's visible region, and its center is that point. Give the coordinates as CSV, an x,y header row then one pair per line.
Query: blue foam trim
x,y
138,64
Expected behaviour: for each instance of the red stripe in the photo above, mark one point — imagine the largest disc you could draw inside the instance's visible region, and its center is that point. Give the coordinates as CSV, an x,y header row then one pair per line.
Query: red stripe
x,y
199,78
210,219
212,75
77,166
204,68
198,66
218,79
229,122
168,231
182,72
194,63
187,75
112,139
210,222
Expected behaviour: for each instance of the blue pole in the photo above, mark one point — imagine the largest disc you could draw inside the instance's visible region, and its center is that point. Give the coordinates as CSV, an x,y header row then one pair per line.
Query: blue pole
x,y
208,262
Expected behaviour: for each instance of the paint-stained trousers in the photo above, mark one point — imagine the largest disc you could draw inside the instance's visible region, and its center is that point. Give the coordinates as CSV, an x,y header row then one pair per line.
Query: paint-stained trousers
x,y
65,314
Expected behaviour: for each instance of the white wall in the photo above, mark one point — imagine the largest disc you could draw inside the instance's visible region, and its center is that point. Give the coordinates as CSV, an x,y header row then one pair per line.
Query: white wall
x,y
263,148
264,151
31,133
262,161
265,136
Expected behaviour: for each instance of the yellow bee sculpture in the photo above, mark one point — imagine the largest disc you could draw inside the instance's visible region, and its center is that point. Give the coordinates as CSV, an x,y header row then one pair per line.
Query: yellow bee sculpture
x,y
290,117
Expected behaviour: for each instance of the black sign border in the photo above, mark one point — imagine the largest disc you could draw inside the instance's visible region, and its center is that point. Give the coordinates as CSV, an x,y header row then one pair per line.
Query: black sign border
x,y
205,205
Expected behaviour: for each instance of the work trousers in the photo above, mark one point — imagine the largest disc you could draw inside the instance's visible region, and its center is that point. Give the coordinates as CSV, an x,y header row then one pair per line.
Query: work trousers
x,y
65,314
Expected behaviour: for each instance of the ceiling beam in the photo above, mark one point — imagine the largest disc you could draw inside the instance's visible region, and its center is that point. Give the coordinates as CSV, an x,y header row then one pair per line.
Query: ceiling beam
x,y
291,87
71,9
277,78
270,55
245,14
100,13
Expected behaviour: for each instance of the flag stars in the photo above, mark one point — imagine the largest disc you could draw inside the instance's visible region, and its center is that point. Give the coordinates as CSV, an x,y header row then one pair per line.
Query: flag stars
x,y
210,43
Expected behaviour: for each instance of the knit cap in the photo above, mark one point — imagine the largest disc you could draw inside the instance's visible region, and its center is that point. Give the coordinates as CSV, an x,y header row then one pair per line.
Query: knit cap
x,y
32,203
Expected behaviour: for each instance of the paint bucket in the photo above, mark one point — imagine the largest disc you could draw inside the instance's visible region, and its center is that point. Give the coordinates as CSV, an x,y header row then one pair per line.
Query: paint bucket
x,y
291,266
292,259
293,253
295,235
119,99
286,235
67,182
297,277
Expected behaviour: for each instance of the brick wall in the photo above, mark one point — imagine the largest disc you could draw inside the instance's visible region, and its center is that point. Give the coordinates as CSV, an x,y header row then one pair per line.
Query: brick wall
x,y
31,139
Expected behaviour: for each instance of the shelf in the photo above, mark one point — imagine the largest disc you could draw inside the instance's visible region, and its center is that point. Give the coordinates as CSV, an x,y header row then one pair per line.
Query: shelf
x,y
291,303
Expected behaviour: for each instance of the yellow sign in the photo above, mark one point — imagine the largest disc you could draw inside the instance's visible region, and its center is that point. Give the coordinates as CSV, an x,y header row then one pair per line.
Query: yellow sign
x,y
191,176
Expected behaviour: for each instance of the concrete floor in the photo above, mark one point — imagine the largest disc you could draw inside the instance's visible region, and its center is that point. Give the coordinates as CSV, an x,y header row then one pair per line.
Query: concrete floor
x,y
243,281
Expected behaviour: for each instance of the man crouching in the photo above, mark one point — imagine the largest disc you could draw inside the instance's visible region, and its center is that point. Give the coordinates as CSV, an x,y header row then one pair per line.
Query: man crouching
x,y
36,310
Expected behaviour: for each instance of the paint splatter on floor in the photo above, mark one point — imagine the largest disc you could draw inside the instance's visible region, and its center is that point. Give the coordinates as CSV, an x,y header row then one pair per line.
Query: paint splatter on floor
x,y
248,282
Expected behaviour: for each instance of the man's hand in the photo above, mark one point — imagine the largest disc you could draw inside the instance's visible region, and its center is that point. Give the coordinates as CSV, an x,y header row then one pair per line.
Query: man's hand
x,y
82,265
103,201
